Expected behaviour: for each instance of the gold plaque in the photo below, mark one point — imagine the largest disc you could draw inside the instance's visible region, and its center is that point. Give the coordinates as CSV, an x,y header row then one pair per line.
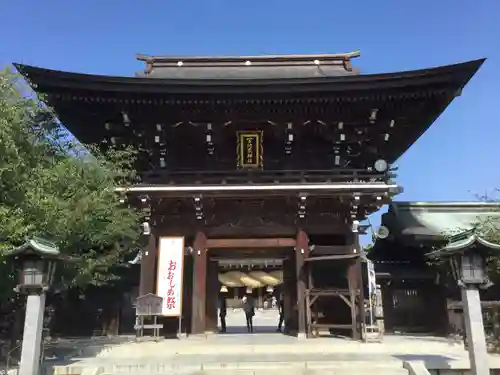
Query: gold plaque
x,y
249,149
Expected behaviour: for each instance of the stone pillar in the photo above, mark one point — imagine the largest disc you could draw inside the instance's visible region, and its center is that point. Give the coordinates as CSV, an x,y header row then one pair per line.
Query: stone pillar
x,y
301,253
474,328
148,266
32,336
198,323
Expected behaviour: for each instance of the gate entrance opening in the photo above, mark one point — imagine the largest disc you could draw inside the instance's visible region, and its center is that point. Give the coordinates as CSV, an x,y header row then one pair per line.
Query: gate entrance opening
x,y
259,271
250,278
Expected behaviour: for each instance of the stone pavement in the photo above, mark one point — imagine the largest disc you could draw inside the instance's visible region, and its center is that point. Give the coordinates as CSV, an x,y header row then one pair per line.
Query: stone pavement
x,y
266,351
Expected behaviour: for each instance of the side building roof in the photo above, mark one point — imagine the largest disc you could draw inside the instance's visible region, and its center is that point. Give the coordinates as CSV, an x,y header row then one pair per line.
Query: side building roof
x,y
425,226
428,221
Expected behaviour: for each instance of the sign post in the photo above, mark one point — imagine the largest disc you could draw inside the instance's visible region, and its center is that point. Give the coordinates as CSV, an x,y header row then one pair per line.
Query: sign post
x,y
170,276
148,305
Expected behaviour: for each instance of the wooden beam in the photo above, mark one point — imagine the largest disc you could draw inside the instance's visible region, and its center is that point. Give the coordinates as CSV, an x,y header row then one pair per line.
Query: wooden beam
x,y
225,243
312,300
328,292
332,249
272,231
348,302
326,325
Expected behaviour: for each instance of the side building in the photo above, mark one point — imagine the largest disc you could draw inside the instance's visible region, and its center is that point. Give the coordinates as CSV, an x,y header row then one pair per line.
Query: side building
x,y
258,158
418,295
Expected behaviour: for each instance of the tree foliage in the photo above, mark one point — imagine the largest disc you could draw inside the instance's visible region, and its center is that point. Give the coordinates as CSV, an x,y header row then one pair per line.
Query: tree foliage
x,y
52,187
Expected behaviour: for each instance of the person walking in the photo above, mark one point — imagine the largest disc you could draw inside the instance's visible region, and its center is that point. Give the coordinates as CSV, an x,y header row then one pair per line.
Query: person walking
x,y
281,307
222,313
274,302
249,310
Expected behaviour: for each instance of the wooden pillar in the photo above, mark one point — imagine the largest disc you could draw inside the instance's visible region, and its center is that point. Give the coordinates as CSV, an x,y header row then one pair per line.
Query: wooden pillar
x,y
287,292
187,294
198,323
301,253
360,286
309,287
353,286
212,295
148,267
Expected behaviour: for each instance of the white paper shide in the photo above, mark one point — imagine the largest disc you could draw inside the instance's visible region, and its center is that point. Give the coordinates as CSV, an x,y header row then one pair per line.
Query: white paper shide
x,y
372,288
169,276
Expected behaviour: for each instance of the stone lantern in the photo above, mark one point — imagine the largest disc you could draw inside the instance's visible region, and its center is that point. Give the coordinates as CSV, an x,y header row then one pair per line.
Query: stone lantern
x,y
466,254
35,262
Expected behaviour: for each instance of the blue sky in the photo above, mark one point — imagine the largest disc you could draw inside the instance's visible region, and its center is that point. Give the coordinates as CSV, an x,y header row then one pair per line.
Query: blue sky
x,y
456,159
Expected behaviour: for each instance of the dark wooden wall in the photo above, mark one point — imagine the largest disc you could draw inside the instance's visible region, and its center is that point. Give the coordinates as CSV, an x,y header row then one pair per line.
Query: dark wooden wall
x,y
414,306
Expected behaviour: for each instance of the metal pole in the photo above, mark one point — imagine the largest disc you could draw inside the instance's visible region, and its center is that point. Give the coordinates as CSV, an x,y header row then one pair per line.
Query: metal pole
x,y
179,332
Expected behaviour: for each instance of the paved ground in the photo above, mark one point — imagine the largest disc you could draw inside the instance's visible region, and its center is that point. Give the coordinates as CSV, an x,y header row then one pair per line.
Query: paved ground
x,y
265,321
278,353
267,349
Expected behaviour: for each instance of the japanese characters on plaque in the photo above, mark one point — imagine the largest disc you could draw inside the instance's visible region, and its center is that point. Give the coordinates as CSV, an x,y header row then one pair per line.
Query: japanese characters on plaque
x,y
169,276
250,149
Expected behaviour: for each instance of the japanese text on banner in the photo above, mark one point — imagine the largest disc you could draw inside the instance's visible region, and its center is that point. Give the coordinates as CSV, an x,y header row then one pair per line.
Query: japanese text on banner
x,y
170,274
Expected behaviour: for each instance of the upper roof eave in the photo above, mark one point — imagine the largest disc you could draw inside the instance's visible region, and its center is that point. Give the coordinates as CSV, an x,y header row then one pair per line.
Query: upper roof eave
x,y
54,79
253,58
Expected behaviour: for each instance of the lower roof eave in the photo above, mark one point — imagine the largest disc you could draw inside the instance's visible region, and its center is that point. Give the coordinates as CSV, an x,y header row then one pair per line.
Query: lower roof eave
x,y
268,189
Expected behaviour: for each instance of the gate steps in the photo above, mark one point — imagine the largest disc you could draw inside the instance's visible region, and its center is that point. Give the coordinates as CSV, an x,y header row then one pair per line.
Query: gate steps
x,y
249,368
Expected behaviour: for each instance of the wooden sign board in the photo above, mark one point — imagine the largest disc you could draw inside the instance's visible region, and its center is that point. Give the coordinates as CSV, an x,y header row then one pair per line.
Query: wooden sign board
x,y
250,149
148,305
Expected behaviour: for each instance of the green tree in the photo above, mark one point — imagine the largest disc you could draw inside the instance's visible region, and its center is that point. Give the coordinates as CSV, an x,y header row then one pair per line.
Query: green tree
x,y
52,187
